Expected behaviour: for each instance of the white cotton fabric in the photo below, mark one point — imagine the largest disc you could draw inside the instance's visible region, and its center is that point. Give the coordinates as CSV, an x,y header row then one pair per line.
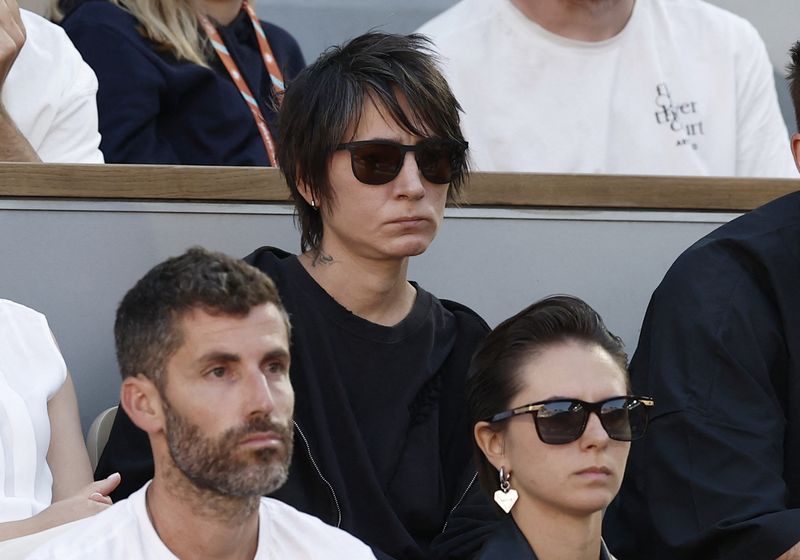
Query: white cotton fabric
x,y
20,547
124,532
31,372
686,88
50,94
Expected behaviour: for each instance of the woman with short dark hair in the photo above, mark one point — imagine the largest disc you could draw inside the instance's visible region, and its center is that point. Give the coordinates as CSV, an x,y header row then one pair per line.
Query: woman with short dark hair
x,y
372,150
549,398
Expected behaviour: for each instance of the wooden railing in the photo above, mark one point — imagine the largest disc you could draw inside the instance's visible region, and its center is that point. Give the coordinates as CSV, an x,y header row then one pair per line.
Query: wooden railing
x,y
260,185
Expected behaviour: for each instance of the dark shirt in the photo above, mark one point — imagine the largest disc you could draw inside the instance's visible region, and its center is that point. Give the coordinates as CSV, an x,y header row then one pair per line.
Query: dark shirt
x,y
508,543
718,475
382,444
155,109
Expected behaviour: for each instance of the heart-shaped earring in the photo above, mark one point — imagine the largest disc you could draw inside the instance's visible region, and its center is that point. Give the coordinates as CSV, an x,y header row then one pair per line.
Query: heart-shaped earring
x,y
506,497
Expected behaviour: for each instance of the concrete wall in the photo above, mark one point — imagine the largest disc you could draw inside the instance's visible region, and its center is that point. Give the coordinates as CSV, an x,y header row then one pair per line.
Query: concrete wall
x,y
75,260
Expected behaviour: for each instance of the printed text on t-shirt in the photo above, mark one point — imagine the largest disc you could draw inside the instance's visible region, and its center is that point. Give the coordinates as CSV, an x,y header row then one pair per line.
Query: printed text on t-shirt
x,y
682,118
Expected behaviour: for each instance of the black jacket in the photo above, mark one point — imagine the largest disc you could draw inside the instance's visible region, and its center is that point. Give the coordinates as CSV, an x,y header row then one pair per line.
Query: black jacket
x,y
508,543
718,475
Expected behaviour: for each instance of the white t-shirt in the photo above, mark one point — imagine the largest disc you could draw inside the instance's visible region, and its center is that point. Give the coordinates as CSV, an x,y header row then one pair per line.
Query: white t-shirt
x,y
50,94
124,532
685,88
31,372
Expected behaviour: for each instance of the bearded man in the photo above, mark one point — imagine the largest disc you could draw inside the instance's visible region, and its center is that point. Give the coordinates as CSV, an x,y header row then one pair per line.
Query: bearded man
x,y
203,346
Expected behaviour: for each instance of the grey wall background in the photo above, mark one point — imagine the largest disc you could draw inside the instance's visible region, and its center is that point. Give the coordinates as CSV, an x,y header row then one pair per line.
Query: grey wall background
x,y
75,260
318,24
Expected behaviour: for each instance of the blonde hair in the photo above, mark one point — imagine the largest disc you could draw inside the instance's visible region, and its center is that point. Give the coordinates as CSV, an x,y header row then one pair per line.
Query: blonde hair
x,y
171,24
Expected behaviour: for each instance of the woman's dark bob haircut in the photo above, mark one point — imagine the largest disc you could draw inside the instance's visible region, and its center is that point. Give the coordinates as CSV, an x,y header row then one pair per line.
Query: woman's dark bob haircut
x,y
322,107
494,372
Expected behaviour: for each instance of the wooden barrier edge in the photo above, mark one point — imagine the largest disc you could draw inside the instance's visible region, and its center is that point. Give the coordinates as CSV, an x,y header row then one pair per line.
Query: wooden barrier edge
x,y
263,185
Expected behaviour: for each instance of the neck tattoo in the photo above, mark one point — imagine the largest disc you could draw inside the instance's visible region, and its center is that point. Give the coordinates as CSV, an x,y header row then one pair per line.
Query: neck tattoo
x,y
321,258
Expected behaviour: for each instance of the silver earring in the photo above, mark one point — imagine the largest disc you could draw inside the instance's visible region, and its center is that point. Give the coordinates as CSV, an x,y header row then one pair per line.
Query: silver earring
x,y
506,497
313,203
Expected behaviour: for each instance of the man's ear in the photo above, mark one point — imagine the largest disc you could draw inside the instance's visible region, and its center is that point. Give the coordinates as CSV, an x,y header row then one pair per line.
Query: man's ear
x,y
141,400
796,149
492,443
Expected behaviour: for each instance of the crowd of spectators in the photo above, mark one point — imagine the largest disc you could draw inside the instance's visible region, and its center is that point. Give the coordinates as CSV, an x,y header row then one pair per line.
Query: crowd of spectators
x,y
397,397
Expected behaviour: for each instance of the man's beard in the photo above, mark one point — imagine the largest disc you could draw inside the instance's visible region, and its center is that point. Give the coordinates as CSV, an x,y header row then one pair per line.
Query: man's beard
x,y
217,465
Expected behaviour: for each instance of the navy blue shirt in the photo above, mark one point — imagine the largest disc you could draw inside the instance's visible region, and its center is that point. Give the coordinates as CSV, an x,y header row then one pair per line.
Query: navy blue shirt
x,y
154,108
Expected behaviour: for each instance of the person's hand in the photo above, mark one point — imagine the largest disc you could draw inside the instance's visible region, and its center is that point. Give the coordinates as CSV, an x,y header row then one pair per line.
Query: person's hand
x,y
93,498
12,36
791,554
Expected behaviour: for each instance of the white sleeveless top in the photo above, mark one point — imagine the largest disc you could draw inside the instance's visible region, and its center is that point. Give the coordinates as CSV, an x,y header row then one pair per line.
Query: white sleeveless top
x,y
31,372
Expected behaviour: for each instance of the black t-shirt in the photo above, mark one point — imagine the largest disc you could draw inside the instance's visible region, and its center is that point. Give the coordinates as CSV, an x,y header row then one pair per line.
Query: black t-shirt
x,y
382,410
382,444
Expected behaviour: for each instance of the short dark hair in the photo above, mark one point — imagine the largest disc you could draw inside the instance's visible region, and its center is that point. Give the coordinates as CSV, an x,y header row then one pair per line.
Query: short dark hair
x,y
324,103
794,81
147,331
494,379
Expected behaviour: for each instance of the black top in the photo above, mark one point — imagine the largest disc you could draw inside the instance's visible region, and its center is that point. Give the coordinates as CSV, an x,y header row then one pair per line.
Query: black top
x,y
155,109
718,475
382,444
508,543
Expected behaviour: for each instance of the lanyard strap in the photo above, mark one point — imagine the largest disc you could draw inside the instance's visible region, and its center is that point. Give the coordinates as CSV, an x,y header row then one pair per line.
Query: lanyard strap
x,y
275,74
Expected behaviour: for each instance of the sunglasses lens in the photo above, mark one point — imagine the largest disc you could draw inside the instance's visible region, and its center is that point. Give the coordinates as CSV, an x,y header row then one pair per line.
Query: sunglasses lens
x,y
560,422
435,162
624,419
376,164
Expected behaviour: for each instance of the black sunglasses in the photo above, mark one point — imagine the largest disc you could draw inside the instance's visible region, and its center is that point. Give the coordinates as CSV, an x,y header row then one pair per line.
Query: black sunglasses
x,y
561,421
376,162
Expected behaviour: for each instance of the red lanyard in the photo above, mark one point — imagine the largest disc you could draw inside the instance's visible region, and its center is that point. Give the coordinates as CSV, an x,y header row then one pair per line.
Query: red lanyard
x,y
275,74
